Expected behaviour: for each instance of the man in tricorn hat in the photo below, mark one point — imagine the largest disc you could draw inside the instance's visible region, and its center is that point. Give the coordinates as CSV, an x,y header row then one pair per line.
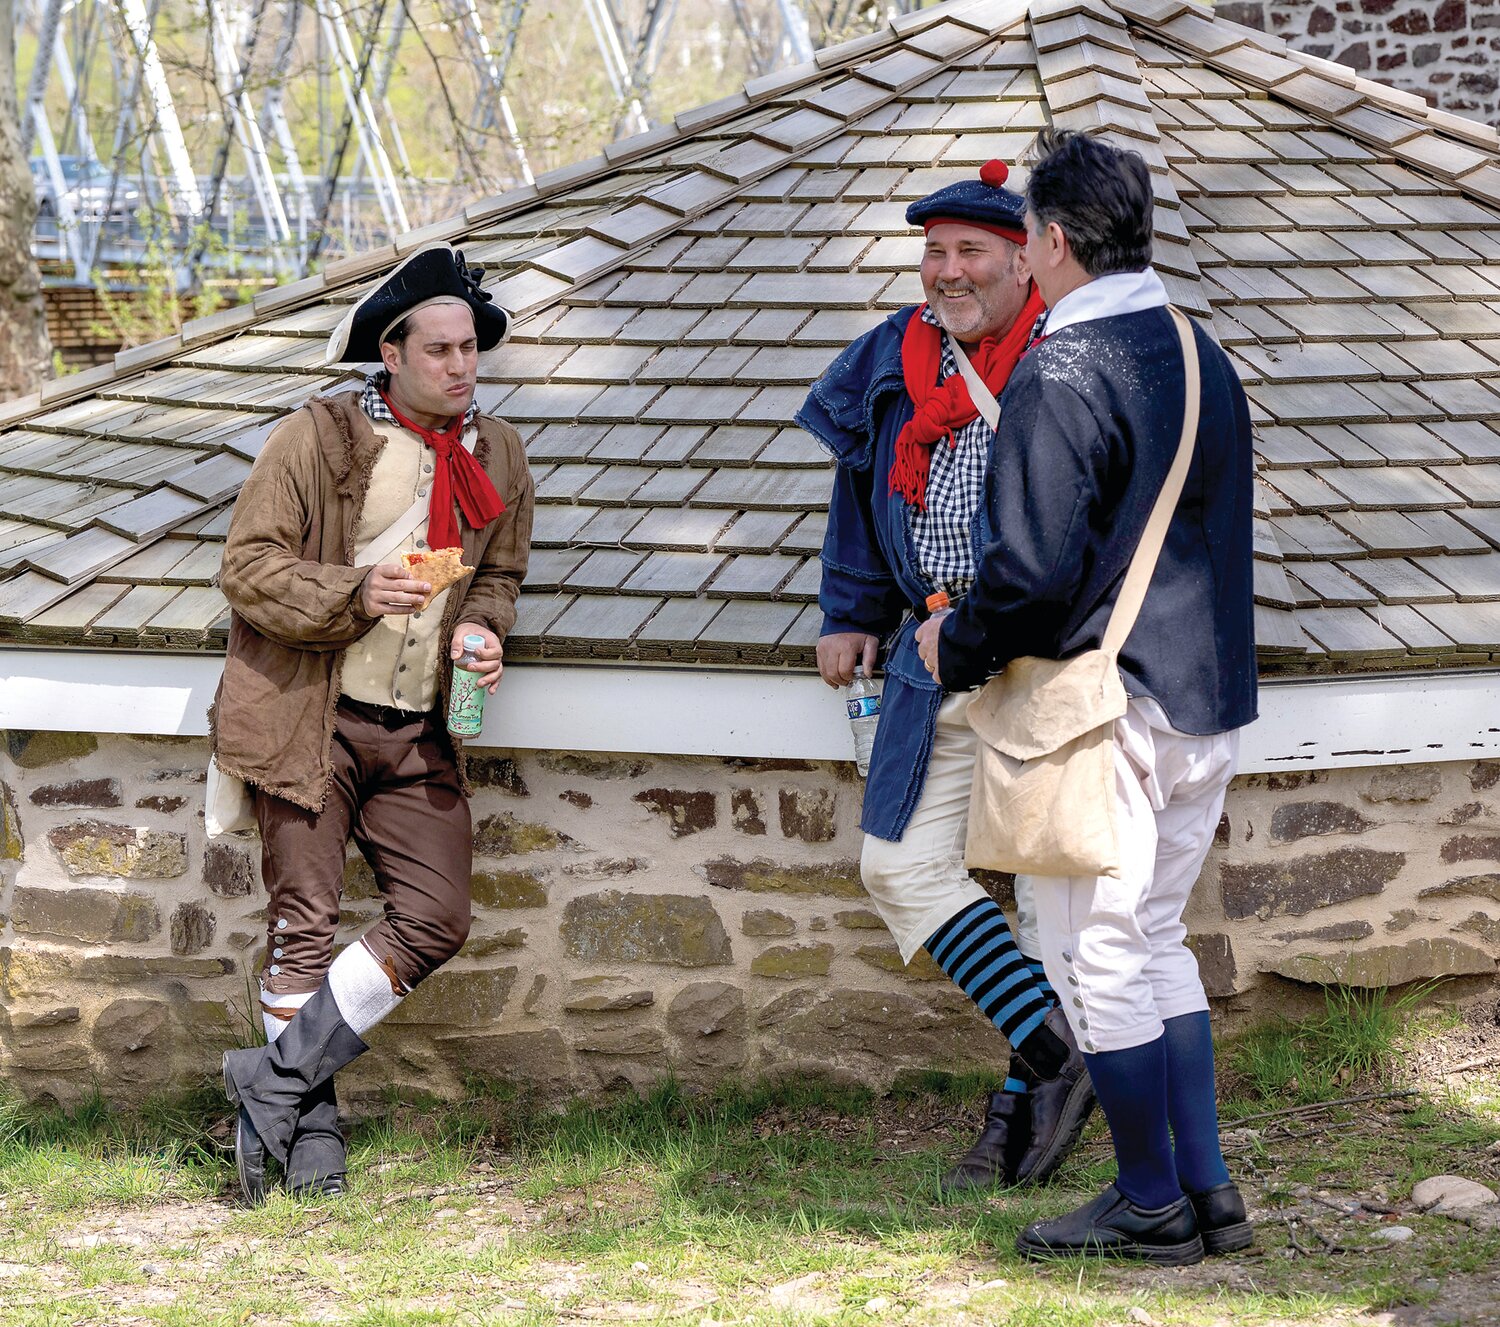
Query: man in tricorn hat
x,y
335,686
911,446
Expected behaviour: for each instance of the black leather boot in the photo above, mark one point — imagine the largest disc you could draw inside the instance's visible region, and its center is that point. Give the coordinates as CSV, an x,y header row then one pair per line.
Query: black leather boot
x,y
1221,1219
991,1162
1060,1107
315,1164
271,1083
1113,1226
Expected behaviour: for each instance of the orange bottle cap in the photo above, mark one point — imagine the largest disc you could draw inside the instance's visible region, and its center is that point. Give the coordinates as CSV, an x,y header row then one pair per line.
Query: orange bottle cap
x,y
937,602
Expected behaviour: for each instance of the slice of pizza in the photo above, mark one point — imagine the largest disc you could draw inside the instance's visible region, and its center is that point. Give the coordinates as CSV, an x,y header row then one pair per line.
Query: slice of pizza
x,y
439,567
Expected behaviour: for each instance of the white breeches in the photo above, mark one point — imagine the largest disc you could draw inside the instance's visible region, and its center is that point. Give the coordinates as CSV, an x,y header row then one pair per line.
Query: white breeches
x,y
920,882
1114,949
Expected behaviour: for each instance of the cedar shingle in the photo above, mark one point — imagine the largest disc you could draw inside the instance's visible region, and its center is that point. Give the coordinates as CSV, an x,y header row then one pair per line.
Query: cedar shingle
x,y
1392,487
1476,577
605,619
678,622
688,529
753,576
1349,632
754,531
673,574
605,569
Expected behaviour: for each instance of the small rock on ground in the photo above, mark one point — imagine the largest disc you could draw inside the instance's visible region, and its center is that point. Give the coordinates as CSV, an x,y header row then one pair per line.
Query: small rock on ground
x,y
1442,1195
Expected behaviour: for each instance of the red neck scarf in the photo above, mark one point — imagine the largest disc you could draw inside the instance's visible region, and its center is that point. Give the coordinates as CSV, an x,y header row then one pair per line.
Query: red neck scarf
x,y
942,408
456,472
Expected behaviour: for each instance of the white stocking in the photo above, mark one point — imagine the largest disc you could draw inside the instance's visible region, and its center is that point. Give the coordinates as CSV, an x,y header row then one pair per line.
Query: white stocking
x,y
361,988
276,1026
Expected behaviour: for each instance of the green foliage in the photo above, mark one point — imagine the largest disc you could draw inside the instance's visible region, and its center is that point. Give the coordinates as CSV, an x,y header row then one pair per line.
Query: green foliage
x,y
1355,1038
156,304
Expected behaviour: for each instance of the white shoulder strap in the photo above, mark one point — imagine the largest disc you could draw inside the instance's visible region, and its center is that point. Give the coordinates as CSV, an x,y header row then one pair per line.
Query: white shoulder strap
x,y
402,528
981,395
1143,561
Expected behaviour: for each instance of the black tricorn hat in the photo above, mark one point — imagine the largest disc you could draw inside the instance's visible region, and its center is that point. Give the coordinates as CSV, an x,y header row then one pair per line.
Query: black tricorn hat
x,y
435,274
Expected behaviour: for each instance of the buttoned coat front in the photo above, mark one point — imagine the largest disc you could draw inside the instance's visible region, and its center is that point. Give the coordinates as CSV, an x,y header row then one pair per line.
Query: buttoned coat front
x,y
871,575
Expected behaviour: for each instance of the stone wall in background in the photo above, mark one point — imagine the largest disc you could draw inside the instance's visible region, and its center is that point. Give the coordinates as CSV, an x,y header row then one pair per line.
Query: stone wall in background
x,y
636,915
1447,51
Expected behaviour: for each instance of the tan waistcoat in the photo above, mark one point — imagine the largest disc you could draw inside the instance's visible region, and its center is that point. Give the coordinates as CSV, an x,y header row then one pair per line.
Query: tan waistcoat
x,y
397,661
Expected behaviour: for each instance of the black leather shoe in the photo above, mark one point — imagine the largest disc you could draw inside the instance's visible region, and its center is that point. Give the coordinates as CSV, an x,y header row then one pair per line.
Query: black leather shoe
x,y
1115,1227
1060,1107
1221,1219
991,1162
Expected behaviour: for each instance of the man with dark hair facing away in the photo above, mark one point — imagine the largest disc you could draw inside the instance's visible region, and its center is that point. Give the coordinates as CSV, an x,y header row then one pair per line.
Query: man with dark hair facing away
x,y
1092,421
911,446
333,701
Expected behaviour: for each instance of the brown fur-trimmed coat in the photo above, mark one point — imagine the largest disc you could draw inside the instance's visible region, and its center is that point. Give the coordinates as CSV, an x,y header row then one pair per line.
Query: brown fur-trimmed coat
x,y
295,596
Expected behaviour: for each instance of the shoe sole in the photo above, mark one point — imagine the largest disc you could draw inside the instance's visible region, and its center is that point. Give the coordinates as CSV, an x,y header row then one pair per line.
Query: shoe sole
x,y
1080,1105
1228,1239
322,1188
1160,1255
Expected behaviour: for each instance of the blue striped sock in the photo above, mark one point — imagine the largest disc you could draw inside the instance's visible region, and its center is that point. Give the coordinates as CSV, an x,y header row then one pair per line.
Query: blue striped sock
x,y
975,948
1039,973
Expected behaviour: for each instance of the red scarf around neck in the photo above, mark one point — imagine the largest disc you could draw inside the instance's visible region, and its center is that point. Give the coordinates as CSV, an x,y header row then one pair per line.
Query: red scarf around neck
x,y
455,472
942,408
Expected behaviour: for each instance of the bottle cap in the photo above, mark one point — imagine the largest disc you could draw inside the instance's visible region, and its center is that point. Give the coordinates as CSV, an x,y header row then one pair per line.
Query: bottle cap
x,y
937,602
473,642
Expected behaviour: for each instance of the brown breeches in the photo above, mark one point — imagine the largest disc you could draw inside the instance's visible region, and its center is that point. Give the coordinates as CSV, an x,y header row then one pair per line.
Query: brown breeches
x,y
395,791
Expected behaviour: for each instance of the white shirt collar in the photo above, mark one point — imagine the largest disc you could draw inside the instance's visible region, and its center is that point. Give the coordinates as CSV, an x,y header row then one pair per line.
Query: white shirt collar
x,y
1108,297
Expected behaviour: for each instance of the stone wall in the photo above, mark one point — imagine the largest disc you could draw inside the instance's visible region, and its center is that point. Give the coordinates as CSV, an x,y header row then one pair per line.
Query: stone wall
x,y
1447,51
636,915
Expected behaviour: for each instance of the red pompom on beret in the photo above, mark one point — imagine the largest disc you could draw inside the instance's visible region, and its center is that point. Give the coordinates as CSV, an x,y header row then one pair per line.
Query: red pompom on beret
x,y
994,173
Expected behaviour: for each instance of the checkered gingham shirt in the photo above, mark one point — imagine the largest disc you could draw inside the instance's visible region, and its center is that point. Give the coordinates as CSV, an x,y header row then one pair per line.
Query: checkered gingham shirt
x,y
374,406
943,534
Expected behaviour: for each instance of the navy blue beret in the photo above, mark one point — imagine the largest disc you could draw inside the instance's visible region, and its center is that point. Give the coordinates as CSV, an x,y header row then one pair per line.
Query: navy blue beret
x,y
984,202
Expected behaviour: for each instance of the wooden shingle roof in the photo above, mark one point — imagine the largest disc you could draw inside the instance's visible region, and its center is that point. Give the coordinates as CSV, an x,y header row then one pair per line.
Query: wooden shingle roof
x,y
676,297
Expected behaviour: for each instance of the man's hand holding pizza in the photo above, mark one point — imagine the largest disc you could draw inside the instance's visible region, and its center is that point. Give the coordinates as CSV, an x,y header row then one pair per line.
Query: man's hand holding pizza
x,y
410,584
391,589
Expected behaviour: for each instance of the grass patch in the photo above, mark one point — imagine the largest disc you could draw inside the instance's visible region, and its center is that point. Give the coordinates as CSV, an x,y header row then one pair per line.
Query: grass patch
x,y
1356,1039
800,1203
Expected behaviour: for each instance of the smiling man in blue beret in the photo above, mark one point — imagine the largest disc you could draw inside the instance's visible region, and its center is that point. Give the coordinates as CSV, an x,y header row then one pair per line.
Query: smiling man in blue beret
x,y
911,446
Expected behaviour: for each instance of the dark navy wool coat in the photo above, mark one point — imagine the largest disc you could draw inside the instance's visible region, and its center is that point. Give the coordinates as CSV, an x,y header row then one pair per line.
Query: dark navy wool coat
x,y
871,576
1090,421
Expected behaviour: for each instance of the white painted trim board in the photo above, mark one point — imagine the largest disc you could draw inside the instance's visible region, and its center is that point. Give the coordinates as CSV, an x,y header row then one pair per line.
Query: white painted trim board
x,y
1305,723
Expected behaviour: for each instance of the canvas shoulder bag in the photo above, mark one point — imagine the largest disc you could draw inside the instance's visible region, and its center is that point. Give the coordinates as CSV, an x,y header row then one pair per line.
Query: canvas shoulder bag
x,y
1043,798
227,805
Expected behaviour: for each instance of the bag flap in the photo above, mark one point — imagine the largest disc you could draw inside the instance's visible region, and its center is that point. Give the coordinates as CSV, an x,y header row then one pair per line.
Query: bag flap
x,y
1038,705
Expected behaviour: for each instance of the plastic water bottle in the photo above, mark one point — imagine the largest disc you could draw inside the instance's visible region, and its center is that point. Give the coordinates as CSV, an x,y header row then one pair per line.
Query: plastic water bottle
x,y
864,714
466,696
